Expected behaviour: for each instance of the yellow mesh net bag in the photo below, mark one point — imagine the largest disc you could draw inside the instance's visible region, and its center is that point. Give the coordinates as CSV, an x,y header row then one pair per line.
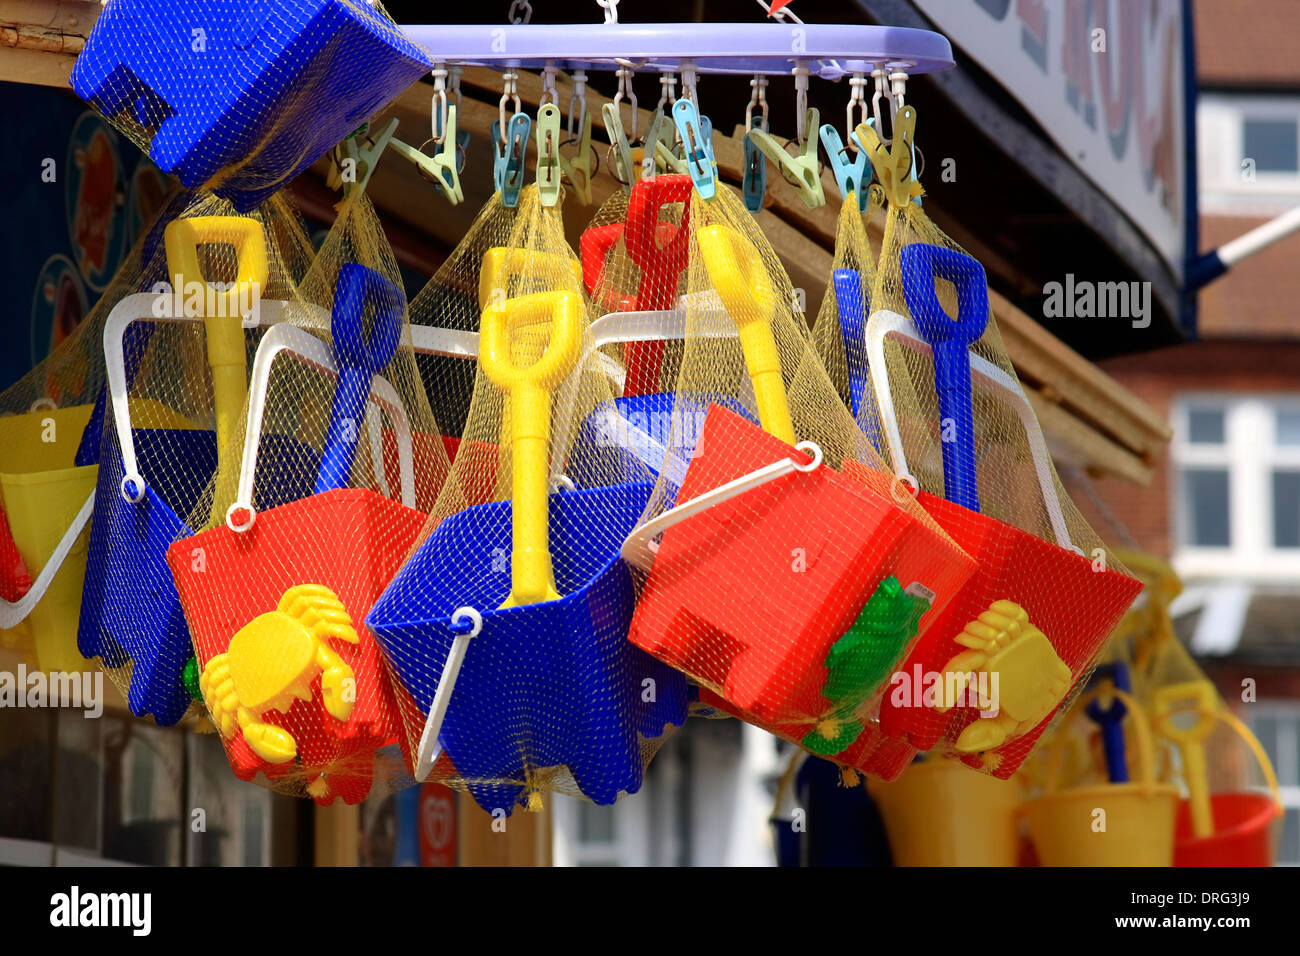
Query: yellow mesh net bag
x,y
338,462
506,631
50,425
839,335
785,581
985,679
240,98
176,358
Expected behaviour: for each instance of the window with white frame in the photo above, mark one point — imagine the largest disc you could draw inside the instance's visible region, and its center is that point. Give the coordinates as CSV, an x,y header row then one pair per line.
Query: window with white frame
x,y
1236,486
1248,152
589,835
1277,725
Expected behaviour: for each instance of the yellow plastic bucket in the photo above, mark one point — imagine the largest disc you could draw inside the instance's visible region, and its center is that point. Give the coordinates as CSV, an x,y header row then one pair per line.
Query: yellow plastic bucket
x,y
943,813
41,491
1123,824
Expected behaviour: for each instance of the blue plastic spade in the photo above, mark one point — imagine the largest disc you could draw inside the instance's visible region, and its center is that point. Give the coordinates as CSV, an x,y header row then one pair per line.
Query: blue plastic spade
x,y
950,339
359,357
1111,720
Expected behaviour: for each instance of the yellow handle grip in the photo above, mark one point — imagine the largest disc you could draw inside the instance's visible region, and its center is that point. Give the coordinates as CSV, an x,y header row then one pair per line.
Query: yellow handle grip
x,y
745,288
530,389
222,325
500,263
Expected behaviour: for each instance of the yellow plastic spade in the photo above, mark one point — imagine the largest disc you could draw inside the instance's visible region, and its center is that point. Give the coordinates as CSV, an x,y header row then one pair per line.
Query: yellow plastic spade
x,y
530,389
745,288
223,324
1200,697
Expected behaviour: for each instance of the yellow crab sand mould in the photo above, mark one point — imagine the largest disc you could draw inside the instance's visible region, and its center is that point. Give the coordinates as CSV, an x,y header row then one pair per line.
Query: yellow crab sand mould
x,y
272,661
1031,678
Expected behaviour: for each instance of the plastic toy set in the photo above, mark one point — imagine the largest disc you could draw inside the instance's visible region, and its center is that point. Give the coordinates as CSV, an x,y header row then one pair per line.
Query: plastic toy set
x,y
511,533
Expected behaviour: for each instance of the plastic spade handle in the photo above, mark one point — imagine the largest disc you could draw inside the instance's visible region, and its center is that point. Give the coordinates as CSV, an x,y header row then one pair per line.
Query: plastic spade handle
x,y
853,329
224,331
745,288
530,390
949,339
359,357
1111,721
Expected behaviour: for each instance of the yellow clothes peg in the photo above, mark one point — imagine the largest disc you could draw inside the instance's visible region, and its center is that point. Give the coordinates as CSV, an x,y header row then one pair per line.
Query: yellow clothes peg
x,y
364,159
578,170
893,163
442,167
800,171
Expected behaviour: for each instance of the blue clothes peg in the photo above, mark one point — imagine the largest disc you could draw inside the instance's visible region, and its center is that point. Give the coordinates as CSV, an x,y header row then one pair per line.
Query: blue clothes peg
x,y
508,161
754,182
852,176
698,146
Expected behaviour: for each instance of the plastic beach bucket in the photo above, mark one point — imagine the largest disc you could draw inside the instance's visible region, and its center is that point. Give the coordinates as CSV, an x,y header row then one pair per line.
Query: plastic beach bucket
x,y
1117,824
942,813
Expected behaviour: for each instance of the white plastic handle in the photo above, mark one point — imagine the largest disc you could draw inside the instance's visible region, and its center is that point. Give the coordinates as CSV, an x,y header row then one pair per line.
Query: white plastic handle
x,y
14,613
884,322
147,306
289,338
639,547
430,750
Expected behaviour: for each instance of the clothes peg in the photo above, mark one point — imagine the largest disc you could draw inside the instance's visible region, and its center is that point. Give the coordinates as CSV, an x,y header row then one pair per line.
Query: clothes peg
x,y
894,165
753,184
548,154
698,149
623,167
851,176
442,168
508,160
578,170
800,171
657,152
364,159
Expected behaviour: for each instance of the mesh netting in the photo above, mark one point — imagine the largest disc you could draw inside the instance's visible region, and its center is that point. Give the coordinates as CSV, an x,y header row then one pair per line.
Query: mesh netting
x,y
956,424
518,567
50,431
177,386
789,603
241,97
337,463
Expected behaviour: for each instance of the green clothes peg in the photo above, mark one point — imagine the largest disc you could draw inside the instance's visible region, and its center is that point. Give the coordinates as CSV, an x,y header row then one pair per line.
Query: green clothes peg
x,y
800,171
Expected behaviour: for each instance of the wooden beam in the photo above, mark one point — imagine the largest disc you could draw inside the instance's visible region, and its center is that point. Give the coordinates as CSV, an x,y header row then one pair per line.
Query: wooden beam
x,y
338,834
1074,441
40,39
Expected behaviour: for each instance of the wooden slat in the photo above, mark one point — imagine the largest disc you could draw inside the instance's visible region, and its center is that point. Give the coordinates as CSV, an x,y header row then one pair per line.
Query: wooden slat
x,y
40,39
1084,445
338,834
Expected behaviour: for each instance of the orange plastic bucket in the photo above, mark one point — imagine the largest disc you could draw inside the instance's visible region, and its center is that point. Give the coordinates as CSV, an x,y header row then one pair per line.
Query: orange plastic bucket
x,y
1243,824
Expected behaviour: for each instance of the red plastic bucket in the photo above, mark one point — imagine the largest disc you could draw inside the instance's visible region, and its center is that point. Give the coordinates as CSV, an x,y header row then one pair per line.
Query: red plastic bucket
x,y
722,604
1243,824
1073,603
244,574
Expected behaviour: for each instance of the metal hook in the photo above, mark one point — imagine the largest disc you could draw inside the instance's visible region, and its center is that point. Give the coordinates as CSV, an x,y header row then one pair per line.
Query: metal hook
x,y
509,92
858,99
579,95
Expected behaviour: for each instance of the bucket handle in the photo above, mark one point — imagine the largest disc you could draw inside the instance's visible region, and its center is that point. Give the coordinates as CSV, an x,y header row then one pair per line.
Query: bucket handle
x,y
1146,747
639,547
285,337
883,322
429,749
1200,695
158,307
14,613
